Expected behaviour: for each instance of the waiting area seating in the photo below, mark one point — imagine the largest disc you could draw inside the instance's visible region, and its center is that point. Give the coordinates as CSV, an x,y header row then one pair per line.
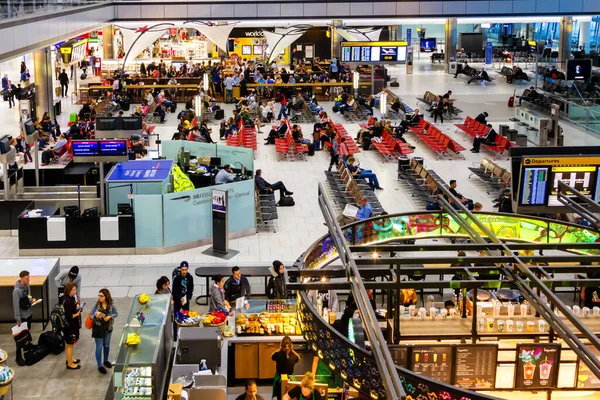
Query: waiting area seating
x,y
390,147
287,148
440,143
245,137
345,189
429,98
420,182
507,72
474,129
266,211
491,174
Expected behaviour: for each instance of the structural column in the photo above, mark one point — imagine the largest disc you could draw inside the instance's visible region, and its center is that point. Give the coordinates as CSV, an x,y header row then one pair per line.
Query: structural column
x,y
336,38
564,42
108,39
451,43
43,77
394,32
584,35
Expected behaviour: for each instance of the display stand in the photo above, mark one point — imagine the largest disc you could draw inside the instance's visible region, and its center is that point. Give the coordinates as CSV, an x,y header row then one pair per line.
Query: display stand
x,y
141,370
6,159
220,228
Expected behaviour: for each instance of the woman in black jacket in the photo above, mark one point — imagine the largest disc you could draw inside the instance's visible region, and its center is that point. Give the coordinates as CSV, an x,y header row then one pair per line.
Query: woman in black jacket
x,y
277,283
71,332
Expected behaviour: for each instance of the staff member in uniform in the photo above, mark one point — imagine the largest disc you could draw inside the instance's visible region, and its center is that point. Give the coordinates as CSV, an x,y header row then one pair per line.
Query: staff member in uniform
x,y
225,175
285,359
306,390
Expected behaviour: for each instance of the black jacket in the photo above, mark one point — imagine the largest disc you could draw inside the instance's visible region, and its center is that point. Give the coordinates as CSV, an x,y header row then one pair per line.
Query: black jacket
x,y
63,78
178,289
481,119
261,184
233,291
277,287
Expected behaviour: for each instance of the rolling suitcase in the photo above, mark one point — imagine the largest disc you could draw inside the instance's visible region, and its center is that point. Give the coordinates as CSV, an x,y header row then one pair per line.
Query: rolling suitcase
x,y
73,118
220,114
311,149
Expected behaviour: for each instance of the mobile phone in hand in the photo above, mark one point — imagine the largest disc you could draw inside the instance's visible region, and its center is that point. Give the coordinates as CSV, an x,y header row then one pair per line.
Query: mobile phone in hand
x,y
81,306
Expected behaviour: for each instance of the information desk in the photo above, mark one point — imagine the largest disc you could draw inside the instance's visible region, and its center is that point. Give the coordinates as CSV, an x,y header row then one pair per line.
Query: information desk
x,y
42,272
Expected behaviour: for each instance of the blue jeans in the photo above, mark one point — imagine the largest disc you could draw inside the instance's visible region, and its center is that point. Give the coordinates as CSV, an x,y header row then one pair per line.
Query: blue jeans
x,y
102,343
282,112
370,176
228,95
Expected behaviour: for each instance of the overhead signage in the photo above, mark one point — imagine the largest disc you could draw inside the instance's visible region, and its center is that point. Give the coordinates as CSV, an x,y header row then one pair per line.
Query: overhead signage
x,y
537,365
73,52
368,52
561,160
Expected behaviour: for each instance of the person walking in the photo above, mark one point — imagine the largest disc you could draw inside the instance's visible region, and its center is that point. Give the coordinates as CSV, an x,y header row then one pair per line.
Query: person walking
x,y
12,91
63,78
104,313
57,67
334,151
22,307
280,98
229,89
73,319
183,289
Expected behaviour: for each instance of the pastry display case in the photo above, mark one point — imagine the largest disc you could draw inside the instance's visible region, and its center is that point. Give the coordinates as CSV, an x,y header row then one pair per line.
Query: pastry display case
x,y
267,318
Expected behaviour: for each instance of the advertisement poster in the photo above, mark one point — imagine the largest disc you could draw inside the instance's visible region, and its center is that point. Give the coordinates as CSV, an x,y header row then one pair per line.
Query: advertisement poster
x,y
433,362
537,366
219,200
585,378
476,366
488,53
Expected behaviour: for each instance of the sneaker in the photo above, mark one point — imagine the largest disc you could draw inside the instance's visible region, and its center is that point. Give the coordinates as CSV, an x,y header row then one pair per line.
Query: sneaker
x,y
290,193
107,364
102,370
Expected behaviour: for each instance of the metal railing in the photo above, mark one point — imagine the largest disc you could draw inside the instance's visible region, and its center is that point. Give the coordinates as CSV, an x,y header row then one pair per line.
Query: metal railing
x,y
16,9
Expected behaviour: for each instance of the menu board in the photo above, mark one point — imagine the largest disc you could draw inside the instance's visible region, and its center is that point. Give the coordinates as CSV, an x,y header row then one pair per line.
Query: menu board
x,y
399,355
433,362
537,365
476,366
585,378
374,51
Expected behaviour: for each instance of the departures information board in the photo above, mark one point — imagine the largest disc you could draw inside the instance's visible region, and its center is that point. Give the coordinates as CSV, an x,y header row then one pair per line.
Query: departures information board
x,y
372,52
433,362
476,366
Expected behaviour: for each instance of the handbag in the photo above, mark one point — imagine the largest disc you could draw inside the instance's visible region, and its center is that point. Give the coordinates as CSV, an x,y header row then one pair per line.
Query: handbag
x,y
89,322
99,328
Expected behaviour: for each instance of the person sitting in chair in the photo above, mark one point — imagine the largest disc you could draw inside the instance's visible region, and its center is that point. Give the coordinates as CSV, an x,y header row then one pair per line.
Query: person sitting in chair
x,y
277,133
489,139
265,187
481,76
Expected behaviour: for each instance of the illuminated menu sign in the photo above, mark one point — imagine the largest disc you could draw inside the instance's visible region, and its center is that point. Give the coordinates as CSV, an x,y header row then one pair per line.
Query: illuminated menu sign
x,y
399,355
537,365
476,366
433,362
392,52
585,378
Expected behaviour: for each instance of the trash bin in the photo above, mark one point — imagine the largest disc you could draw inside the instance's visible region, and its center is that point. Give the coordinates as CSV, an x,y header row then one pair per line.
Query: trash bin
x,y
503,129
511,134
403,163
521,140
57,107
452,67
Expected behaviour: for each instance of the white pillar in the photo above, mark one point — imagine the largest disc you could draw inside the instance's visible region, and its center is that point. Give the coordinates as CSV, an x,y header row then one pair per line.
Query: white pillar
x,y
584,35
564,46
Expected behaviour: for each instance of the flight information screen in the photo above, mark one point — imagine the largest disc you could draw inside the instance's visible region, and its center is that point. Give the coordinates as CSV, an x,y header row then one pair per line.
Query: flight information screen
x,y
580,178
535,181
374,52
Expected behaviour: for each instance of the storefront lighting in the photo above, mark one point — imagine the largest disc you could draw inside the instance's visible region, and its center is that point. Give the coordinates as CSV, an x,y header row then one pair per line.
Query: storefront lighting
x,y
375,254
355,77
323,279
198,107
205,83
382,103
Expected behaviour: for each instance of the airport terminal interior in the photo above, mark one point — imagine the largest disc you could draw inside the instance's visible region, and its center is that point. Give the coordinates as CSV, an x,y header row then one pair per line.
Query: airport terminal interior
x,y
271,200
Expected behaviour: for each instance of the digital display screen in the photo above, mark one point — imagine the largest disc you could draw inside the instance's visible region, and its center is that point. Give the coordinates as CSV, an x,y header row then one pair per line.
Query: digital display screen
x,y
373,51
533,191
258,50
113,148
428,45
540,177
579,70
581,179
246,50
85,148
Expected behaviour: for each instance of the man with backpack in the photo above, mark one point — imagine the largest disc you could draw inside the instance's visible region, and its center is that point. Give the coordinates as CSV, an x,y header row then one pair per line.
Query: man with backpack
x,y
22,306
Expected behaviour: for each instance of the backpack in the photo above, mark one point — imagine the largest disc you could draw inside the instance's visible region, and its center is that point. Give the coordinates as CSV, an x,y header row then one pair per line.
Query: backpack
x,y
286,201
58,318
52,341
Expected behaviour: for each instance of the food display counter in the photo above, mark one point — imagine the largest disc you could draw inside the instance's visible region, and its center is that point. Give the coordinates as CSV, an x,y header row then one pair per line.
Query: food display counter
x,y
140,370
267,317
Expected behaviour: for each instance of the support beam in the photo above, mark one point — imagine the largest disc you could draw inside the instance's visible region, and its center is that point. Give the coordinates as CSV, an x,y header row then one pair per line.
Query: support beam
x,y
43,78
108,40
564,44
451,41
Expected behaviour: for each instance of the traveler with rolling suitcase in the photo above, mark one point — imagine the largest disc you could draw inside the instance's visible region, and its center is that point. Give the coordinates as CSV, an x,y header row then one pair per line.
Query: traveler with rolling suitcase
x,y
22,301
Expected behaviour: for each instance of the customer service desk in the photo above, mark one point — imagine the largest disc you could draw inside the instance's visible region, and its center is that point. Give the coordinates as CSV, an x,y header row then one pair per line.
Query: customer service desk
x,y
42,273
50,234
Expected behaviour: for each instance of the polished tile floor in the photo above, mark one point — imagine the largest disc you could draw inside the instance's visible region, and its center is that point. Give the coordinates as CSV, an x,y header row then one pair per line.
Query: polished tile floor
x,y
298,226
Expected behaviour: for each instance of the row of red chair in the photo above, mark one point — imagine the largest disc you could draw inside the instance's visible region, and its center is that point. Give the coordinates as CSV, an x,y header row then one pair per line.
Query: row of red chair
x,y
474,129
245,137
341,132
439,142
388,146
287,146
